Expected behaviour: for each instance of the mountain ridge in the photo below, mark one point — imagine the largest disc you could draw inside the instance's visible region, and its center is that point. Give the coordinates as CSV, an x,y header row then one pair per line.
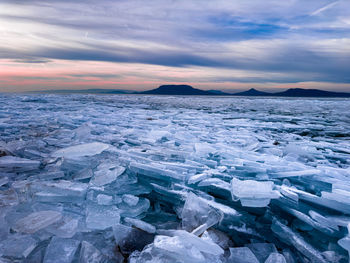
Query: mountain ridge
x,y
252,92
181,89
292,92
298,92
187,90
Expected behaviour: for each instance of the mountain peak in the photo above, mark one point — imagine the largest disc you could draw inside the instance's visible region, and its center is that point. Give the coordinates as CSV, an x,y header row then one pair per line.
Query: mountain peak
x,y
181,89
298,92
252,92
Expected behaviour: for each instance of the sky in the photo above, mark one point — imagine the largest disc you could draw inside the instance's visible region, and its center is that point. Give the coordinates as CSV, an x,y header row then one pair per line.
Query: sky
x,y
135,44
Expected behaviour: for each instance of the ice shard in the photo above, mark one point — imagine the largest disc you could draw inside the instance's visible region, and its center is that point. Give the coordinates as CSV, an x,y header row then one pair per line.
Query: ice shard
x,y
61,250
242,255
90,254
286,235
253,193
17,246
276,258
101,217
81,150
197,212
16,164
36,221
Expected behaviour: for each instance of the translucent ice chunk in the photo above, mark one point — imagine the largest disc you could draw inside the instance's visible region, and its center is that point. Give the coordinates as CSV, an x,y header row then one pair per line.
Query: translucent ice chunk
x,y
107,176
229,213
216,182
262,250
65,228
339,195
36,221
197,212
3,180
61,250
156,135
275,258
16,164
307,172
241,255
156,171
101,217
83,174
174,249
17,246
130,200
198,177
141,225
286,235
287,193
104,199
253,193
339,220
170,195
51,175
217,187
323,221
59,191
82,132
76,151
203,149
134,211
218,237
90,254
180,247
306,219
321,201
191,241
8,198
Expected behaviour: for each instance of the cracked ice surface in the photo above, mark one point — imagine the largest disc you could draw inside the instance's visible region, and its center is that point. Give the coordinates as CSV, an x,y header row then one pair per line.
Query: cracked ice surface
x,y
90,178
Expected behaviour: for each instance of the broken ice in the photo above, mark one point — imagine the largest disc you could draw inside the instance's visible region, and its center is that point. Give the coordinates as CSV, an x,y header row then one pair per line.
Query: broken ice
x,y
253,193
173,179
36,221
88,149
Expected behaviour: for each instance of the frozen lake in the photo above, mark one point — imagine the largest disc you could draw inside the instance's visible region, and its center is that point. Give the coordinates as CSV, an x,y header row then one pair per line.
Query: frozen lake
x,y
173,179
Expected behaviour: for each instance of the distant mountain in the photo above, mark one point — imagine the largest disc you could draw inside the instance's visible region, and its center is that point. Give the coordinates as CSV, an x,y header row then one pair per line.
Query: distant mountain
x,y
310,93
218,92
188,90
252,92
181,90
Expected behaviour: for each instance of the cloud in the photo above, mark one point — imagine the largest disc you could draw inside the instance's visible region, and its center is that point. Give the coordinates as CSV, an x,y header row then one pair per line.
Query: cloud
x,y
324,8
272,41
94,75
32,60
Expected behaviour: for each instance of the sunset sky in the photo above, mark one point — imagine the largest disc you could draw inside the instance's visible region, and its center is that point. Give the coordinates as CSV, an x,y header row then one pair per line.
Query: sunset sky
x,y
138,45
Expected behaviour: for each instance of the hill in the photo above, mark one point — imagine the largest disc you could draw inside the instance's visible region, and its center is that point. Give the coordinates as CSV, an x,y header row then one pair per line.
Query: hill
x,y
181,90
252,92
297,92
188,90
